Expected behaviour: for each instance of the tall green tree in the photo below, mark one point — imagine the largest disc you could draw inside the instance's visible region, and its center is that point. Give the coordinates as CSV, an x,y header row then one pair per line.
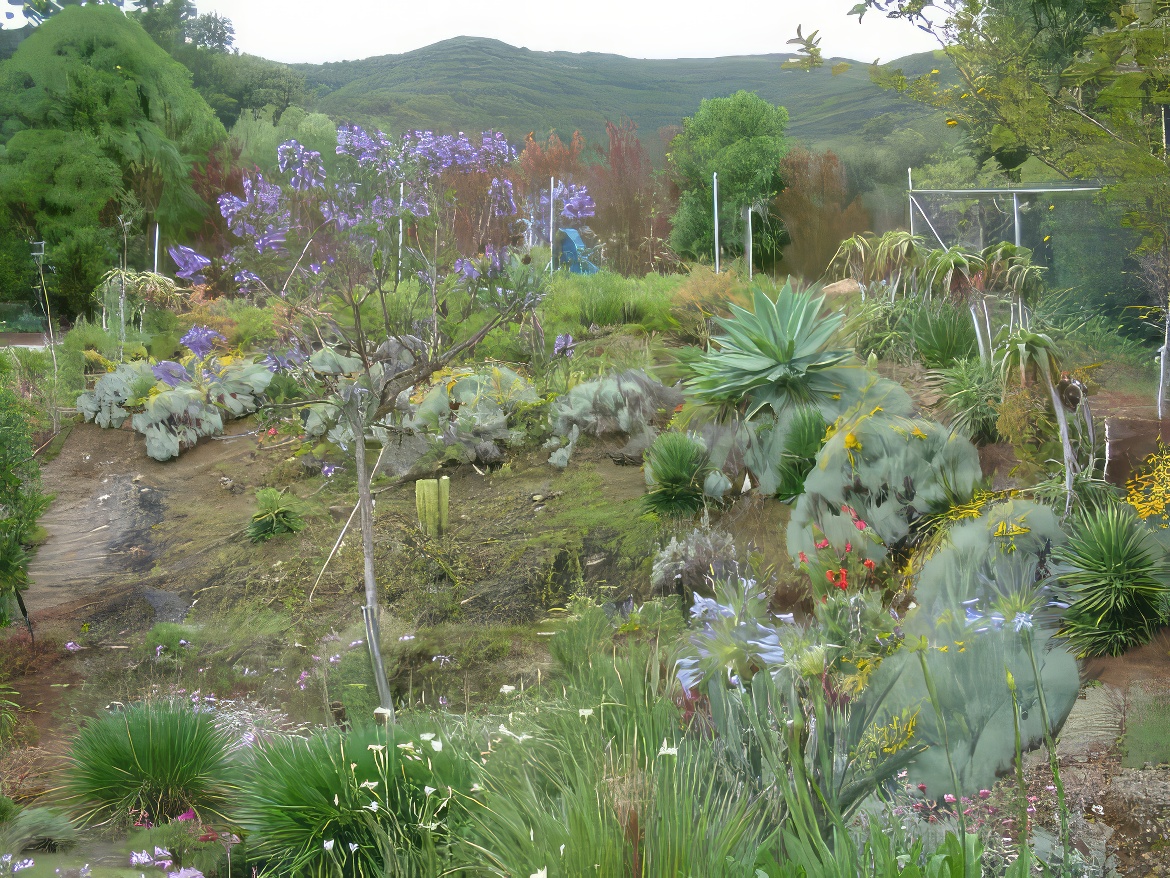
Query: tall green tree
x,y
95,114
741,138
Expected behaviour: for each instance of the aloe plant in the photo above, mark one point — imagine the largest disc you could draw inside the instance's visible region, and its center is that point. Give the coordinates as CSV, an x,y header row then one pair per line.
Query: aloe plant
x,y
777,356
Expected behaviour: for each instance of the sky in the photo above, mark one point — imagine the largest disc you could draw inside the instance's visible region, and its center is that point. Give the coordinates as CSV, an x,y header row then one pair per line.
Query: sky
x,y
312,31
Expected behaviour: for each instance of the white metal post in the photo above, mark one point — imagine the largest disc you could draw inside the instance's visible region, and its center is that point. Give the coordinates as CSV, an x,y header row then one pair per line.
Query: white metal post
x,y
747,240
910,180
1016,214
715,203
552,201
156,248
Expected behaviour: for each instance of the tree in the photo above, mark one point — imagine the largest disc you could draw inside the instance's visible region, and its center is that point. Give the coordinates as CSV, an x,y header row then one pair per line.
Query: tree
x,y
813,207
1081,85
211,31
741,138
94,111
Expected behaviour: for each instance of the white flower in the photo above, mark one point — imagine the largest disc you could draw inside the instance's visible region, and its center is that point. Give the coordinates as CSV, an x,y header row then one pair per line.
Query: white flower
x,y
352,847
377,748
437,746
369,784
476,788
428,790
329,844
562,850
426,736
667,751
510,734
373,806
409,745
505,689
543,873
585,712
336,801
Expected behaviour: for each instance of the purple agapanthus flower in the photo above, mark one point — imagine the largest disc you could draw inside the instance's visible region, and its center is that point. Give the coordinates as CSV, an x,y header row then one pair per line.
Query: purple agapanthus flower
x,y
170,373
466,267
564,346
290,359
190,263
200,339
327,471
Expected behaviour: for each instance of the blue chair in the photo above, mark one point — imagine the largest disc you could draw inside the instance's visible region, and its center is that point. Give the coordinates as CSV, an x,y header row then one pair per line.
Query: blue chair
x,y
574,253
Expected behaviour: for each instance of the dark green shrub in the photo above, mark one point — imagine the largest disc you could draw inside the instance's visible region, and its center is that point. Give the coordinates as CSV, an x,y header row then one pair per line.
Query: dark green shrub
x,y
806,433
677,465
276,513
38,828
163,759
942,336
1116,581
973,390
369,802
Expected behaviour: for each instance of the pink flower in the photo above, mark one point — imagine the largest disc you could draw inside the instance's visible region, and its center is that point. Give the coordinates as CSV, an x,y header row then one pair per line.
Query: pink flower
x,y
859,524
849,547
948,798
985,794
823,544
922,788
803,557
189,814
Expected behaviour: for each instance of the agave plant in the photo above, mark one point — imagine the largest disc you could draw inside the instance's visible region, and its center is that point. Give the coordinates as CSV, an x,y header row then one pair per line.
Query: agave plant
x,y
1116,581
775,357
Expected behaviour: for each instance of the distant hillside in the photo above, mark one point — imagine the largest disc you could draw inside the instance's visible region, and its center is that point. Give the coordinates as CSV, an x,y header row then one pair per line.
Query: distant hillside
x,y
472,84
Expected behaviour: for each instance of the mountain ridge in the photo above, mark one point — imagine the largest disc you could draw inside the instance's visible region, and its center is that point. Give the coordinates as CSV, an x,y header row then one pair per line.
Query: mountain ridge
x,y
472,83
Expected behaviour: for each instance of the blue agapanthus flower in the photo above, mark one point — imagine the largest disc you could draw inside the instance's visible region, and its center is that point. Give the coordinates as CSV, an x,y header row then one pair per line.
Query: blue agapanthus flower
x,y
170,373
190,264
564,346
200,339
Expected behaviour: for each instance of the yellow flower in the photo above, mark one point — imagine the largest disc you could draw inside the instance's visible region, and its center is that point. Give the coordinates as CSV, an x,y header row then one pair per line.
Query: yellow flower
x,y
917,433
952,122
934,71
852,442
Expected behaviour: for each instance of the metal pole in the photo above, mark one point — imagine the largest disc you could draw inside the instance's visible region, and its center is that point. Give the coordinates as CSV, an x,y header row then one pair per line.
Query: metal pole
x,y
156,248
910,180
747,241
715,207
401,196
1016,214
552,199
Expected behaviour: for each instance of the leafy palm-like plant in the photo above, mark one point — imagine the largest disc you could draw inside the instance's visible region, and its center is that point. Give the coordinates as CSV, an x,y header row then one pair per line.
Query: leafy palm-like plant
x,y
276,513
677,465
1116,581
1029,352
972,389
776,357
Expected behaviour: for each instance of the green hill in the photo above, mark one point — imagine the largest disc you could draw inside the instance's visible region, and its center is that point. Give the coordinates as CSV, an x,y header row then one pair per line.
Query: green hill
x,y
471,83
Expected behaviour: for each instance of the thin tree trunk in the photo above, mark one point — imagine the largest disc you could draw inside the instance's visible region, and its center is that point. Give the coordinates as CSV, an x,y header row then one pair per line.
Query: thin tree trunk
x,y
370,610
1065,441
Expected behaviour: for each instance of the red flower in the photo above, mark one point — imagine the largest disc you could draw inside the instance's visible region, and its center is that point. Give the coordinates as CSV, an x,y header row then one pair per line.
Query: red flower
x,y
823,544
844,583
803,557
849,547
868,563
859,524
272,431
831,576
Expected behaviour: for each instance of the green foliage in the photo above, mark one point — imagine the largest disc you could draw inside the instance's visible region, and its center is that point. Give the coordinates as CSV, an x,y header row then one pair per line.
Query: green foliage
x,y
369,802
742,138
162,759
39,828
875,477
1116,580
775,357
576,302
780,452
96,116
677,465
276,513
972,390
942,335
625,402
21,501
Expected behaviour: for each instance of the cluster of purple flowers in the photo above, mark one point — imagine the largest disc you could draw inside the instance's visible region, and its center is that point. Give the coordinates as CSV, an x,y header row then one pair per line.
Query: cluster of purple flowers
x,y
303,164
564,346
261,212
170,373
200,339
9,865
190,264
573,201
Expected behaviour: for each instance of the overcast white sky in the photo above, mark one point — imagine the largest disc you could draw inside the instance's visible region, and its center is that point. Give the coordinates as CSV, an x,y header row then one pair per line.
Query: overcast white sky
x,y
313,31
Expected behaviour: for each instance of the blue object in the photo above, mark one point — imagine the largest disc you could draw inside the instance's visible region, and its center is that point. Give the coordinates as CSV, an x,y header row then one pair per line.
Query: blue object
x,y
574,253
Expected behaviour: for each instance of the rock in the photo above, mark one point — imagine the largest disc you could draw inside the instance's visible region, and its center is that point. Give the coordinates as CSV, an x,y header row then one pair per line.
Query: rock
x,y
487,452
847,287
403,453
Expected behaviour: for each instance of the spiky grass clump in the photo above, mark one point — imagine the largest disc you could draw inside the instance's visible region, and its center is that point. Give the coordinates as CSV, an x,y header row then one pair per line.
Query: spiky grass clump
x,y
276,513
1116,581
677,465
973,390
370,802
806,435
161,759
